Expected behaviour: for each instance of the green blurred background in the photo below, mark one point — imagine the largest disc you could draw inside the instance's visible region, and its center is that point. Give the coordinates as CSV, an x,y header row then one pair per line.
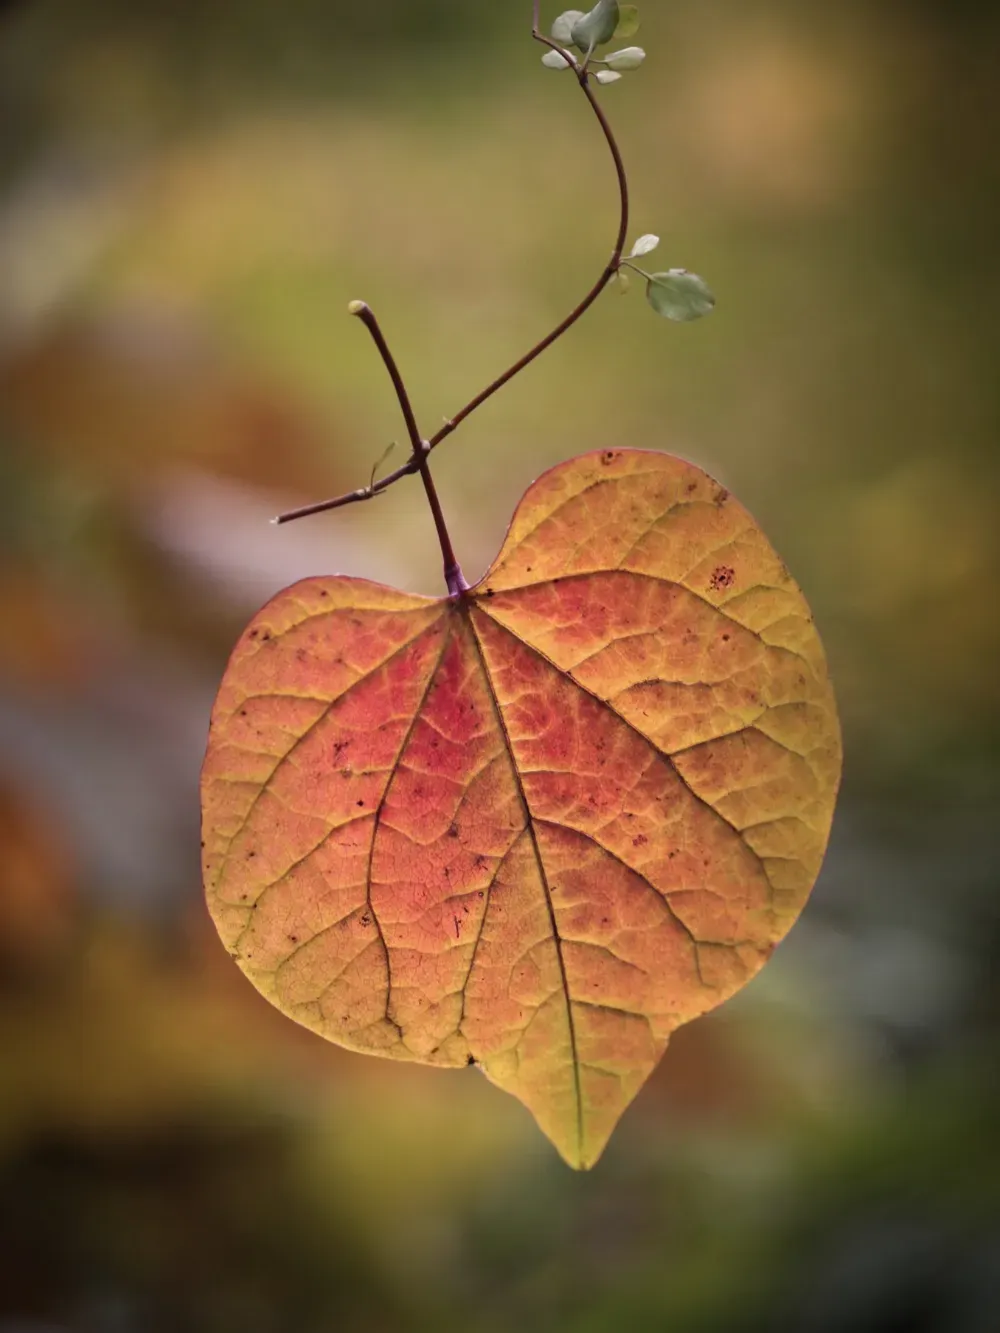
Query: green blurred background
x,y
190,194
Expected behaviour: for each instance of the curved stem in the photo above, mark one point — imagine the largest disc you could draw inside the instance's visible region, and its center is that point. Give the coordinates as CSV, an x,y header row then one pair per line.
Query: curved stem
x,y
608,272
452,570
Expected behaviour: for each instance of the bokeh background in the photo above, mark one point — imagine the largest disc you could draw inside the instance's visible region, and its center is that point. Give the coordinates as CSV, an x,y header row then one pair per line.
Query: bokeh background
x,y
190,194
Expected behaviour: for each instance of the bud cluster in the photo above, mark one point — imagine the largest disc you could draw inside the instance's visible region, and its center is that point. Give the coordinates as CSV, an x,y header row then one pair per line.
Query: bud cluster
x,y
674,293
607,21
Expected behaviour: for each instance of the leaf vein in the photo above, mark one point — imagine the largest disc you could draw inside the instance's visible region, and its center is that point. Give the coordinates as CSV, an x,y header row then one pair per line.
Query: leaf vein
x,y
432,675
663,754
530,825
657,894
266,784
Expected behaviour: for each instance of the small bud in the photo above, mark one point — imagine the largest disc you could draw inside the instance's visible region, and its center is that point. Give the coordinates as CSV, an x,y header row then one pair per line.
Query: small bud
x,y
357,307
645,245
628,22
629,57
606,76
679,295
553,60
562,29
624,282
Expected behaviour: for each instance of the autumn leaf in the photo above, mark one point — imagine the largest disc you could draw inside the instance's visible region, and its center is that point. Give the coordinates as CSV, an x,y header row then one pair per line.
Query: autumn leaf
x,y
539,826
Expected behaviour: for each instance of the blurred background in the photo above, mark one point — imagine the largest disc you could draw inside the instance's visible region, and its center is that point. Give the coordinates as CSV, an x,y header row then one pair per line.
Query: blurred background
x,y
190,194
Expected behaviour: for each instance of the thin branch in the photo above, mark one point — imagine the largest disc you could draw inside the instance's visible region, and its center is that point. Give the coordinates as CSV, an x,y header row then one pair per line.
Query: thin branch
x,y
349,498
610,269
452,571
363,311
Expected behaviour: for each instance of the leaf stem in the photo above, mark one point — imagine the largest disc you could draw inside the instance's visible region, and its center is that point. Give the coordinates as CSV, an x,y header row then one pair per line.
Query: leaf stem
x,y
452,570
610,269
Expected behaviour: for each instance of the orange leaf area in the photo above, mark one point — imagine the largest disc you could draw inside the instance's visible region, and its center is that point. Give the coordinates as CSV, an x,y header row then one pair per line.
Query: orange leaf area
x,y
539,826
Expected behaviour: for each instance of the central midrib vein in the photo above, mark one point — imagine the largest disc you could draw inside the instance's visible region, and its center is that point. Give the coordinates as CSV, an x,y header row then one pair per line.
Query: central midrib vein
x,y
530,825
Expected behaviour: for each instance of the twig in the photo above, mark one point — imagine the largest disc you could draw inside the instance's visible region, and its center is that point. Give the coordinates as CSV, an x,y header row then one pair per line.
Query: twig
x,y
610,269
452,571
349,498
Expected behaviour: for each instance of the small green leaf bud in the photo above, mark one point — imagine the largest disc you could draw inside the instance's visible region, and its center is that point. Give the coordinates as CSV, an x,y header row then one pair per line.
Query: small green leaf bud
x,y
629,57
562,29
645,245
679,295
628,23
606,76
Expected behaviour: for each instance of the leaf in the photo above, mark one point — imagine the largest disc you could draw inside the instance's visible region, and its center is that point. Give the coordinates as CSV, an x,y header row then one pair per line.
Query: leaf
x,y
555,60
628,58
628,22
562,28
644,245
606,76
596,27
679,295
538,827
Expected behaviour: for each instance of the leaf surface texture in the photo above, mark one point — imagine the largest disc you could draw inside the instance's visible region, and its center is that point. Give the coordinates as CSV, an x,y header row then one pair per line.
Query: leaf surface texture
x,y
539,827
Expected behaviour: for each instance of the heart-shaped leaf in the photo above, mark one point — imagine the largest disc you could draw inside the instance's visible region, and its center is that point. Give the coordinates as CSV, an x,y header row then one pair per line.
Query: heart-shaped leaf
x,y
539,826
